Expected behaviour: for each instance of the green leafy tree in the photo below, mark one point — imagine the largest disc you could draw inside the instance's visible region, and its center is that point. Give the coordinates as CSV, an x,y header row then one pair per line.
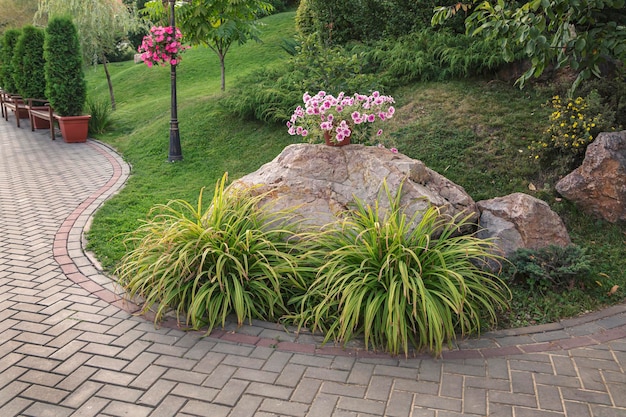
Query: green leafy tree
x,y
581,34
100,23
217,24
28,63
6,70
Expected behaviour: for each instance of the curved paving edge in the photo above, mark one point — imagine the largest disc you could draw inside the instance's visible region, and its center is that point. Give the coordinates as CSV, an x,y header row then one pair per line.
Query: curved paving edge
x,y
81,268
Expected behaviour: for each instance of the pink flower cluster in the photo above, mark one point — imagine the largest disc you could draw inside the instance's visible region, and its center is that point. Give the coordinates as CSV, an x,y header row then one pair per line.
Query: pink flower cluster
x,y
342,116
162,46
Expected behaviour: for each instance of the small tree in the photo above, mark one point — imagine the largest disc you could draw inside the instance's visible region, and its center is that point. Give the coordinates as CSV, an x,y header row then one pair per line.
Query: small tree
x,y
216,23
8,46
28,63
65,80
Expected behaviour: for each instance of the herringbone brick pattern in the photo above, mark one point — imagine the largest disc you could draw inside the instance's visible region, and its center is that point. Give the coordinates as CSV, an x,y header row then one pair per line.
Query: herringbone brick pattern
x,y
67,349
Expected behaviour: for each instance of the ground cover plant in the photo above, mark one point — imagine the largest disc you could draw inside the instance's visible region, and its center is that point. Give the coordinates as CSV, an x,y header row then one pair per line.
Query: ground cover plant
x,y
476,132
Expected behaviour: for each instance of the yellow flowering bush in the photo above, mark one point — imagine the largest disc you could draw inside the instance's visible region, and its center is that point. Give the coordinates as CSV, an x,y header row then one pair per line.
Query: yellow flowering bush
x,y
572,127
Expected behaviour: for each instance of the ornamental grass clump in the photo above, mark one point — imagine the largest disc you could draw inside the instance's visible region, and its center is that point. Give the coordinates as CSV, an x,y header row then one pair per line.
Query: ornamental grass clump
x,y
232,258
399,282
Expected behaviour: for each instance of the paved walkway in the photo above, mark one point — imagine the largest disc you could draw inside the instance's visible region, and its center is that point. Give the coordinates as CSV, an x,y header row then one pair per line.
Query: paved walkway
x,y
69,345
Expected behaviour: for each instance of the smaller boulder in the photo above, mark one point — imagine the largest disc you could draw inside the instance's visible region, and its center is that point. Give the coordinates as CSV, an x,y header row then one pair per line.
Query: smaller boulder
x,y
598,186
520,221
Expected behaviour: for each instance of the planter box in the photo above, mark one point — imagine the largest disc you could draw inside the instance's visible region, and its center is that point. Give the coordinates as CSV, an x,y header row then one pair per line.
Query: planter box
x,y
74,129
37,122
22,113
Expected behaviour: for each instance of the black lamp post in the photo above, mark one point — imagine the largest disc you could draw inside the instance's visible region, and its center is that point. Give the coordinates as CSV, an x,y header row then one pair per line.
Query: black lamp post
x,y
176,153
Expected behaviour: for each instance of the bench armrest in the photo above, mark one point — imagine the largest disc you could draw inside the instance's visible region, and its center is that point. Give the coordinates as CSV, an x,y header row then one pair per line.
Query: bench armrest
x,y
32,102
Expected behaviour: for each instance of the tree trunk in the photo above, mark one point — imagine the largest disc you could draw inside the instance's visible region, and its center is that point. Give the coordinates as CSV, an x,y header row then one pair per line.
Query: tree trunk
x,y
106,71
223,67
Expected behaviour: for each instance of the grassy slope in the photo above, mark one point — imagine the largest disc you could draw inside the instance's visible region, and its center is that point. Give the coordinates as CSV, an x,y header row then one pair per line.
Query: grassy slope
x,y
473,132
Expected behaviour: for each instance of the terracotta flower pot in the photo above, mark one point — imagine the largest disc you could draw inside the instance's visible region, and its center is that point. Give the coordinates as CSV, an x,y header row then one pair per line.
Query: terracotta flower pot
x,y
74,129
329,140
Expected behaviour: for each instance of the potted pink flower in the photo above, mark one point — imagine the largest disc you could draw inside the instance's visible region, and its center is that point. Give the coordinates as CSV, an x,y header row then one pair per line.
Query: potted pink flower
x,y
343,119
162,46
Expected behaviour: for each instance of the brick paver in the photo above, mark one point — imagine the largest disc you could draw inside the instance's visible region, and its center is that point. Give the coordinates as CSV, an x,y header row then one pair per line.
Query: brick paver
x,y
69,345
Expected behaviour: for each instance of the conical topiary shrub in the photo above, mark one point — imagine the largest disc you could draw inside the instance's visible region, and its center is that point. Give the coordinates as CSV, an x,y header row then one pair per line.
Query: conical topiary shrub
x,y
65,80
8,46
28,63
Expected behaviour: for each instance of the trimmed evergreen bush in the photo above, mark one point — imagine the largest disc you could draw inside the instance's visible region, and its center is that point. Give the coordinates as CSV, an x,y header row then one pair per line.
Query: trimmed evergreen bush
x,y
65,80
6,71
28,63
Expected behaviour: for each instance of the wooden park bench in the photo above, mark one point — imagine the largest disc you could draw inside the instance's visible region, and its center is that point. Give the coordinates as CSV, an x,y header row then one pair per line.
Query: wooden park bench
x,y
41,115
16,104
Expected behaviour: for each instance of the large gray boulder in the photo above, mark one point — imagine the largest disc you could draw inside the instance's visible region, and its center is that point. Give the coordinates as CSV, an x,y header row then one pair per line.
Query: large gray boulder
x,y
520,221
598,186
322,181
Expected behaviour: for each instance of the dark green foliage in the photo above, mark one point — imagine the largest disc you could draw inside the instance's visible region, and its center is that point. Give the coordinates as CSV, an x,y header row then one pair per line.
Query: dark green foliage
x,y
428,55
341,21
419,13
280,6
123,52
6,70
28,63
612,91
65,80
552,268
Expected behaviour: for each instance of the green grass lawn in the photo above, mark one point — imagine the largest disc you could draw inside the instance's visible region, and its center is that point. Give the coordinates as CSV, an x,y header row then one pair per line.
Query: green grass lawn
x,y
475,132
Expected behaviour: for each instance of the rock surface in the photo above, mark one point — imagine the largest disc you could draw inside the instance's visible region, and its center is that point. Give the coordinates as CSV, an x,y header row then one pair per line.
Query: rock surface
x,y
322,181
598,186
520,220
